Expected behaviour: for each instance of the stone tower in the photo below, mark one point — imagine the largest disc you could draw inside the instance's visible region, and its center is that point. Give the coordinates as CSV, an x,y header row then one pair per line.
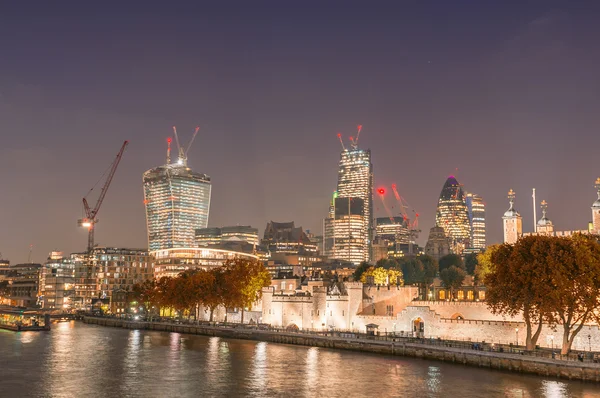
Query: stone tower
x,y
596,211
512,220
544,225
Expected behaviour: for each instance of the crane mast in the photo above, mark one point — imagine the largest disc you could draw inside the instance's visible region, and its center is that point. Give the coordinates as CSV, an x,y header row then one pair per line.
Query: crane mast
x,y
90,213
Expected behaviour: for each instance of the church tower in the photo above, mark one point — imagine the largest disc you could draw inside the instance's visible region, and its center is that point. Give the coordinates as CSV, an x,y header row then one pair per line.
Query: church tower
x,y
596,211
544,225
513,222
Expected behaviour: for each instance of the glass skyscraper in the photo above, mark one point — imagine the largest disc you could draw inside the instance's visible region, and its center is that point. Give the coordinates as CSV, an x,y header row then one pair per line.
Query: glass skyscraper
x,y
476,209
353,228
453,216
177,202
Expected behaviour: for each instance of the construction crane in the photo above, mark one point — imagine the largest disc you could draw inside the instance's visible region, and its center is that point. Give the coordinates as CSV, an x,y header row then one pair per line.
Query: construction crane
x,y
90,220
182,152
413,225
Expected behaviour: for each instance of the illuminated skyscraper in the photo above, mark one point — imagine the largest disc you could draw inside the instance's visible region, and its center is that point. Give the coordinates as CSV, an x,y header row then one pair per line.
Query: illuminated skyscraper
x,y
177,203
453,216
476,209
355,182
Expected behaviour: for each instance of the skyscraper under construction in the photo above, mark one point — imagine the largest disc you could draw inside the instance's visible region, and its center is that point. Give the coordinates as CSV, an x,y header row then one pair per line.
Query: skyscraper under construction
x,y
177,202
349,227
452,215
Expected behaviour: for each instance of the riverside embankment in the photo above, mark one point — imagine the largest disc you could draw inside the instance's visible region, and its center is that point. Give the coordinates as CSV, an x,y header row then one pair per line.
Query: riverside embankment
x,y
425,349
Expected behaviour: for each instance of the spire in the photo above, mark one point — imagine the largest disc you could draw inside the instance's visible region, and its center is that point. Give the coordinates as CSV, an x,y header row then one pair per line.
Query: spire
x,y
597,186
511,212
511,199
544,206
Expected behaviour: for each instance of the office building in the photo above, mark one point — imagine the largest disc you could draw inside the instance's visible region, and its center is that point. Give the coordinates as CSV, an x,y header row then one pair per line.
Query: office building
x,y
285,237
177,202
453,216
355,182
345,232
106,271
392,229
171,262
476,210
57,282
218,236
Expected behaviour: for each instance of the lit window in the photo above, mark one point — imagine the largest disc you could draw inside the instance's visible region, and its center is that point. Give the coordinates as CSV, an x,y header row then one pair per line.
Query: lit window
x,y
442,294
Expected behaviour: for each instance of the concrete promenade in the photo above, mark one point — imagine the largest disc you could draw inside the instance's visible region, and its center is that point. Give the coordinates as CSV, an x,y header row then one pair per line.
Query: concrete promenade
x,y
417,348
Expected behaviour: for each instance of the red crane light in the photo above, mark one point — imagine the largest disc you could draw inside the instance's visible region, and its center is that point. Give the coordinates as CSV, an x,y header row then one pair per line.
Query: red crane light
x,y
169,140
381,191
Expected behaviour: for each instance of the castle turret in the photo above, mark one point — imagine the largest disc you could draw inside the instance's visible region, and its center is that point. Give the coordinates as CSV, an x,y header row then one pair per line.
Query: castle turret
x,y
596,210
512,221
544,225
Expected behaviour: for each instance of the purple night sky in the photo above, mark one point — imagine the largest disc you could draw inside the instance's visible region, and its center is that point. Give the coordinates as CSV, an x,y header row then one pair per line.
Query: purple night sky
x,y
505,92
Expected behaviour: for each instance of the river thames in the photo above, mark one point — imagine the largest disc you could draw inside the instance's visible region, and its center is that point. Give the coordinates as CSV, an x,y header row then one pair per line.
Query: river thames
x,y
78,360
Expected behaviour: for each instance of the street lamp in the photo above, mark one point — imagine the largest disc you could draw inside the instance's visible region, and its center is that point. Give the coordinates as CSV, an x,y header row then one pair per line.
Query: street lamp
x,y
552,342
590,341
517,332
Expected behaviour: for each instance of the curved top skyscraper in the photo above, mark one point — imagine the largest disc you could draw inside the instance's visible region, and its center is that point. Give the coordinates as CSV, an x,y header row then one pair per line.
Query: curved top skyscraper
x,y
452,214
177,201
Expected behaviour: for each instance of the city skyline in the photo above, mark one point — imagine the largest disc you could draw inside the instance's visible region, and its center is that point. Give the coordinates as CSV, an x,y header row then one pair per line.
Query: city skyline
x,y
505,93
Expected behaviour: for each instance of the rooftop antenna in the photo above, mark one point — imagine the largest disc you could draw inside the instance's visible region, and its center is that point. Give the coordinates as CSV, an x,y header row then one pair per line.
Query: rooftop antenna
x,y
30,252
534,212
169,150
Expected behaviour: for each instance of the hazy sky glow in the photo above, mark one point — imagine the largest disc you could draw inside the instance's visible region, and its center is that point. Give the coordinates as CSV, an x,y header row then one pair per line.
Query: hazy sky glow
x,y
505,92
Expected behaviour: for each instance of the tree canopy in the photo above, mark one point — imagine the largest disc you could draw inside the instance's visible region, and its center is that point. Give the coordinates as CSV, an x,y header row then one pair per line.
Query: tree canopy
x,y
237,284
382,276
452,278
451,260
551,279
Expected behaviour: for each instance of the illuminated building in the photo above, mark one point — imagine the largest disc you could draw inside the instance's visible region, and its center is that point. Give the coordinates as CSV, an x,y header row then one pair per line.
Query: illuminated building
x,y
355,180
393,229
452,215
111,270
217,236
348,235
22,284
177,202
344,231
171,262
285,237
476,209
57,282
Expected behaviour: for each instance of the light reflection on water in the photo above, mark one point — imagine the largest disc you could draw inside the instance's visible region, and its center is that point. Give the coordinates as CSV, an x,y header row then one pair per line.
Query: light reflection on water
x,y
76,360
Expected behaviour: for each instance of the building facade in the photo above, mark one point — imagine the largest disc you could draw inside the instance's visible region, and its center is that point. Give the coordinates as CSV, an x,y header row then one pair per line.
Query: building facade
x,y
345,233
106,271
476,210
177,202
57,282
596,211
392,229
452,215
355,181
217,236
171,262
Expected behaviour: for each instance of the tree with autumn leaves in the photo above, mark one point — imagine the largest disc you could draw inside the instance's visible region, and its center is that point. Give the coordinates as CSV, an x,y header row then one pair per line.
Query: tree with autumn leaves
x,y
553,281
237,284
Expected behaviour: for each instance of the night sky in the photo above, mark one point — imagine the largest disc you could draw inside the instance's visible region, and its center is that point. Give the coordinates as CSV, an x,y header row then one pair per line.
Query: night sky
x,y
505,92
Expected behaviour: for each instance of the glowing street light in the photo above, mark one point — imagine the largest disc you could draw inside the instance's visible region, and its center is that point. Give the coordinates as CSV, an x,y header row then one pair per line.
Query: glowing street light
x,y
552,341
517,332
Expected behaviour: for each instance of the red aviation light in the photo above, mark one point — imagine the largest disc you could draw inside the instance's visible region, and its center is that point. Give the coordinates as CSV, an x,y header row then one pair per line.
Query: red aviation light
x,y
381,191
169,140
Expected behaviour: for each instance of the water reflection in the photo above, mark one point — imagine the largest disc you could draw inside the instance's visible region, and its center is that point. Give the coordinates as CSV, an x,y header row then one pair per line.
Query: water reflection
x,y
76,360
